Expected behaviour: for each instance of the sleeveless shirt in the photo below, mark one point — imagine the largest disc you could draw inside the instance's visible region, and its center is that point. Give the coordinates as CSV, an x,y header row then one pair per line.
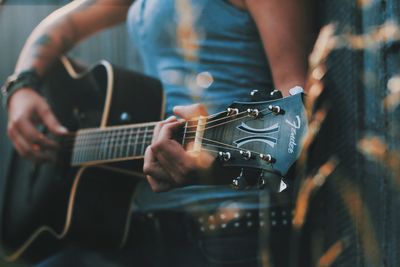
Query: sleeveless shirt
x,y
205,51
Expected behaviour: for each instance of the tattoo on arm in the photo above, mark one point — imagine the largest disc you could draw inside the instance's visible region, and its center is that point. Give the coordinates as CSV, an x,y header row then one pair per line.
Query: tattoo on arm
x,y
43,41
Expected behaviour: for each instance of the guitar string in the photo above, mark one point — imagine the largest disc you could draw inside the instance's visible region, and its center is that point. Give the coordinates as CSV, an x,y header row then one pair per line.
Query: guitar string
x,y
79,154
220,145
128,133
87,156
95,131
83,131
123,131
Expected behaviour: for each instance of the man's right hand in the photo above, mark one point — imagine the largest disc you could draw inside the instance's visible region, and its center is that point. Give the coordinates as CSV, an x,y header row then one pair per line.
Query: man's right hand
x,y
26,110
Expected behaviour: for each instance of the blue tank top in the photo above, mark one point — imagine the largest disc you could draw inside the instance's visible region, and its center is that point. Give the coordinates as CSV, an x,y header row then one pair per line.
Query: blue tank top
x,y
204,51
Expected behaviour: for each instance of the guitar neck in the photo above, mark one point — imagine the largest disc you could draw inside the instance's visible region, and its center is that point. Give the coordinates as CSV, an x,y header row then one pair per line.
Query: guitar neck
x,y
93,146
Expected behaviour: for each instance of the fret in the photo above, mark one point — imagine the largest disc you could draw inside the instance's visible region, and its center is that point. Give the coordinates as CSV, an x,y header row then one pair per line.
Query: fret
x,y
121,143
75,149
136,142
114,146
84,148
117,145
129,142
80,150
109,144
91,145
184,133
144,141
124,141
103,146
99,145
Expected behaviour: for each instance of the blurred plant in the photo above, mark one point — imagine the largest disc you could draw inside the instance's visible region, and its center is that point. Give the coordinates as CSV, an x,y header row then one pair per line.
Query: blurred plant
x,y
333,252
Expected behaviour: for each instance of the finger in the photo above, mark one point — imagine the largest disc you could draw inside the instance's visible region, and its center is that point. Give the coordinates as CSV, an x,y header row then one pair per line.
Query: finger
x,y
50,121
20,144
152,167
159,126
174,160
167,132
33,136
191,111
158,179
27,150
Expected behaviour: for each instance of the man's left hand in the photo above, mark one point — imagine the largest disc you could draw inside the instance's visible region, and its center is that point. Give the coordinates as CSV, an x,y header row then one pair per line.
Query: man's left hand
x,y
166,164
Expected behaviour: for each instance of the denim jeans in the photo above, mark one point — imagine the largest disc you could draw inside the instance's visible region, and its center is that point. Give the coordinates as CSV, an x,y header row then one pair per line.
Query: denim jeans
x,y
174,244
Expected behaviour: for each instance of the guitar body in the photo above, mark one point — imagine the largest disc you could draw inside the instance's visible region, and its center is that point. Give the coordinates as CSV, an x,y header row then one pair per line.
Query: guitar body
x,y
47,206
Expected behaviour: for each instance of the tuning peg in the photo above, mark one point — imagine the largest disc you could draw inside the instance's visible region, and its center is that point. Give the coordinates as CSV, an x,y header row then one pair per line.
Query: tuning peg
x,y
255,95
261,181
253,112
224,156
232,111
245,154
239,183
260,95
276,109
268,158
276,94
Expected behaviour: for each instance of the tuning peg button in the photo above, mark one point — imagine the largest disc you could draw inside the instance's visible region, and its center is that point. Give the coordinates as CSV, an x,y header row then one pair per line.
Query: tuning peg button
x,y
245,154
276,109
232,111
261,182
239,182
254,93
268,158
224,156
253,112
276,94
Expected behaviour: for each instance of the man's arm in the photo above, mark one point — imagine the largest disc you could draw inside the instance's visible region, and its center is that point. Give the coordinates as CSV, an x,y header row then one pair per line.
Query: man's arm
x,y
67,26
287,31
54,36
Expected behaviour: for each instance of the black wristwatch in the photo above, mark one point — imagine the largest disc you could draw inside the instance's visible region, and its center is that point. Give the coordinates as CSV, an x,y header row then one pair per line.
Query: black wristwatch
x,y
18,81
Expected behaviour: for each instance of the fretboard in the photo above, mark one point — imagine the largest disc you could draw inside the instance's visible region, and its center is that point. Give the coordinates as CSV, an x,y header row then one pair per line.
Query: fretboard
x,y
94,146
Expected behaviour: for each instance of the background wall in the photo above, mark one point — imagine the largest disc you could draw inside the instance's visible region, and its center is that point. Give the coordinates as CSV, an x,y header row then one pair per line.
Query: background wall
x,y
354,218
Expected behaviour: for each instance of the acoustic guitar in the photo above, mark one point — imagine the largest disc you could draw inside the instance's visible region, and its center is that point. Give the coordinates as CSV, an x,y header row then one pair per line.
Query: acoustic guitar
x,y
85,194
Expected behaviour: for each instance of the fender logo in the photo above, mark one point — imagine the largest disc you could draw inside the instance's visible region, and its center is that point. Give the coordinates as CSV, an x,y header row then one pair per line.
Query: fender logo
x,y
258,135
295,125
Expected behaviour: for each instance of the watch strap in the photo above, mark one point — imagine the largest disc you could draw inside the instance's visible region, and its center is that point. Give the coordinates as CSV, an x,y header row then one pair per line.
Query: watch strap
x,y
26,79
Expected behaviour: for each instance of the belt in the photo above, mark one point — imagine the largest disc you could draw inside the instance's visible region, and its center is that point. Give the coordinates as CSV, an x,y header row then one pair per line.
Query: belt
x,y
188,226
243,221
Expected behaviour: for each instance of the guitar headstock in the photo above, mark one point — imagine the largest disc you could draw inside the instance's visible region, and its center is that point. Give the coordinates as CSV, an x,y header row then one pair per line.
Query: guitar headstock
x,y
257,137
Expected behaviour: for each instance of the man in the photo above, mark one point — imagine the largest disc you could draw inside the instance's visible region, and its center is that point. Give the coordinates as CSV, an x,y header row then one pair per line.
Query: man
x,y
243,44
